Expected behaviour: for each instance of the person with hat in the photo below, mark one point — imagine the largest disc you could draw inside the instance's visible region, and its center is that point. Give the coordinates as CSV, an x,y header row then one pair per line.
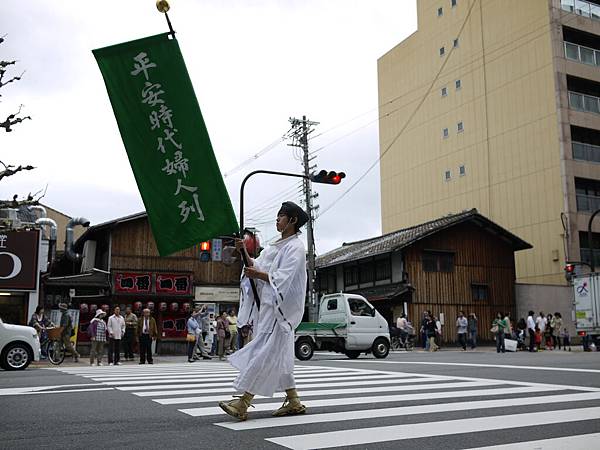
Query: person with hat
x,y
67,330
97,333
266,364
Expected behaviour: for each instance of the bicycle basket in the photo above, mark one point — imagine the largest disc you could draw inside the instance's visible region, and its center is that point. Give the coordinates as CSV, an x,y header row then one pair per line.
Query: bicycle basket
x,y
54,333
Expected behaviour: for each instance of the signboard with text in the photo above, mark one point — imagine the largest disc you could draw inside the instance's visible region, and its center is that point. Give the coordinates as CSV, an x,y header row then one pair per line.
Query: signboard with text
x,y
152,283
19,260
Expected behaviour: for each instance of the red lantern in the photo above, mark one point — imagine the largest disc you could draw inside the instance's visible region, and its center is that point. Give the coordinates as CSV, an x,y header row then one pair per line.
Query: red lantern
x,y
174,307
150,306
252,243
93,308
83,308
162,306
105,308
137,306
186,307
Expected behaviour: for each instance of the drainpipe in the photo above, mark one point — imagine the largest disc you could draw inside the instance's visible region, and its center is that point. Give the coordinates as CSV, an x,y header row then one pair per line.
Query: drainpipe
x,y
52,241
39,208
69,237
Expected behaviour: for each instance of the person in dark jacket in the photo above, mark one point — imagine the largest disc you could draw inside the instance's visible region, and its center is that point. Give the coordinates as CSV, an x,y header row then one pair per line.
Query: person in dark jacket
x,y
472,330
67,325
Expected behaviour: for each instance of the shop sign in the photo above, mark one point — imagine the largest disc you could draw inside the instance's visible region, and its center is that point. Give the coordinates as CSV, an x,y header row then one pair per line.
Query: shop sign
x,y
19,260
173,284
133,283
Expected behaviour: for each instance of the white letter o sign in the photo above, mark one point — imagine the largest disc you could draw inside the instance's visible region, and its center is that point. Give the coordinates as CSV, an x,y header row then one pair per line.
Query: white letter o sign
x,y
17,265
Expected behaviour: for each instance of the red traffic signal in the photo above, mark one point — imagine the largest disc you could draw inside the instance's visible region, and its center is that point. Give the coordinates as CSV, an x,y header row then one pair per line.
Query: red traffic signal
x,y
570,268
205,246
327,177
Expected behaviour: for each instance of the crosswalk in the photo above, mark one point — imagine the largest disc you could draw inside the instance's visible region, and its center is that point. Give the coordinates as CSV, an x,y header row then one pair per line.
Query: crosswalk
x,y
363,407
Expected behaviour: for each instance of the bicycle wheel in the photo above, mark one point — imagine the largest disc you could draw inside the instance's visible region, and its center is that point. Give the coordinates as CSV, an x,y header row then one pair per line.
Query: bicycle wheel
x,y
56,352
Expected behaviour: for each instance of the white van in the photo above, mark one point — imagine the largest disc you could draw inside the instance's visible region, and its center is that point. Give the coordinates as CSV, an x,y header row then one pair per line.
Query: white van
x,y
19,345
347,324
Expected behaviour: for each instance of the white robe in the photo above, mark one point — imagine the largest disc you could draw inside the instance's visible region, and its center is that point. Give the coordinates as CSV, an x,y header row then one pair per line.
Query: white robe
x,y
266,364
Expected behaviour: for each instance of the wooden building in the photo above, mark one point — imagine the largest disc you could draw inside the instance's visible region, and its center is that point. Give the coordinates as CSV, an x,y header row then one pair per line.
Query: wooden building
x,y
458,262
120,265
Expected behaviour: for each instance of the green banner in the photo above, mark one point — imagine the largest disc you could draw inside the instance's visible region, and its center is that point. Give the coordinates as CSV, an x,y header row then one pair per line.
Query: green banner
x,y
167,142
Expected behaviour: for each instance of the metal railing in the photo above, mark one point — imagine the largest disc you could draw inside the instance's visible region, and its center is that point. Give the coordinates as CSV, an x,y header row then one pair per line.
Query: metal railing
x,y
587,202
586,152
581,8
579,53
584,102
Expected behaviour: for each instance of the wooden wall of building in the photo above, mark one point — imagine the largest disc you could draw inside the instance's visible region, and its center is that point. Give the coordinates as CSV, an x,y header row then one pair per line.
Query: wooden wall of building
x,y
133,248
480,258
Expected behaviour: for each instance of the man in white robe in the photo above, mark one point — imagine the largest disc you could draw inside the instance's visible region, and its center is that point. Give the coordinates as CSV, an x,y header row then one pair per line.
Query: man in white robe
x,y
266,364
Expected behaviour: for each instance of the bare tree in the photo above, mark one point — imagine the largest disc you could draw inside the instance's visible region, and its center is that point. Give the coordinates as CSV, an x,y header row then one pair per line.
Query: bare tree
x,y
13,119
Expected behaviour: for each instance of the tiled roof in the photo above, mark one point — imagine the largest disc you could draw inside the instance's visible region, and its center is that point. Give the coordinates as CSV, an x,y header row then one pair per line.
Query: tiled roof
x,y
402,238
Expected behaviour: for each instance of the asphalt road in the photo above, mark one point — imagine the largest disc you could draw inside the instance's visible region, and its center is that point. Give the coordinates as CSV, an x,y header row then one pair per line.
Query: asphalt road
x,y
448,399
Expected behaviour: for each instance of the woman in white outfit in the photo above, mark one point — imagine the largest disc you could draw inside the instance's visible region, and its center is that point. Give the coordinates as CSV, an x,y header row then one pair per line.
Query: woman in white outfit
x,y
266,364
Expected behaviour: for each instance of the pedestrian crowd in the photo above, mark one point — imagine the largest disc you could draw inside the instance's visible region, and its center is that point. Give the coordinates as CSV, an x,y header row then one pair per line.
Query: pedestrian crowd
x,y
544,331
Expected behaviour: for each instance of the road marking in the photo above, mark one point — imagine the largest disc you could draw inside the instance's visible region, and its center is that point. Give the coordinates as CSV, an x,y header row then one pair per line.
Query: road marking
x,y
202,378
362,390
212,411
301,384
577,442
192,375
405,411
66,391
30,389
500,366
428,429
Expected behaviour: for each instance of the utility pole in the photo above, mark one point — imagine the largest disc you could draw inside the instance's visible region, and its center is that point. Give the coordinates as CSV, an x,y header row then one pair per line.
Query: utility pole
x,y
299,133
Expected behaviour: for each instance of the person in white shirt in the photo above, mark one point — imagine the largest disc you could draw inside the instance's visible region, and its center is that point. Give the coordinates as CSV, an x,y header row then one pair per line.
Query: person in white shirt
x,y
541,322
402,325
116,331
531,331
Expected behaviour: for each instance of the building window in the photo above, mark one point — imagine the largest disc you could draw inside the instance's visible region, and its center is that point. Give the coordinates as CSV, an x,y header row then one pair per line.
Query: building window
x,y
383,269
350,275
585,251
445,133
453,3
442,51
480,292
461,171
458,84
460,127
365,272
447,175
440,12
444,92
438,261
587,194
455,43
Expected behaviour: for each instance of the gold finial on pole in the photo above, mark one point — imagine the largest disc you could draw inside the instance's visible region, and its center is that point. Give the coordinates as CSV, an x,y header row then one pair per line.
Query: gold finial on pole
x,y
163,6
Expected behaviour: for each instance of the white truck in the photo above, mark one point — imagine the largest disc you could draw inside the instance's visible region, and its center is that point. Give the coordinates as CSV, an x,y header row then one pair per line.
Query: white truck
x,y
347,324
587,306
19,345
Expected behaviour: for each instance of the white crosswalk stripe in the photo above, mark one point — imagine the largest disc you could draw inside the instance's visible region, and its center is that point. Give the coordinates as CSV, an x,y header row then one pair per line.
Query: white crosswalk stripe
x,y
352,406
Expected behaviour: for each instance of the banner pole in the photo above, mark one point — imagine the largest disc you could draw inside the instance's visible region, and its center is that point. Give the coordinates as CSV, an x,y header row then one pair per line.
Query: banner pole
x,y
163,7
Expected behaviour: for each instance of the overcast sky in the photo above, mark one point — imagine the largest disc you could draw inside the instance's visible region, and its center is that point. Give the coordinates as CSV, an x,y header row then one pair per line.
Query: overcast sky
x,y
253,65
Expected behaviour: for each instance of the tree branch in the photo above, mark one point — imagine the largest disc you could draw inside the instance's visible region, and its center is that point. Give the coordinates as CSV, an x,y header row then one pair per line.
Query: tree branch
x,y
11,170
13,120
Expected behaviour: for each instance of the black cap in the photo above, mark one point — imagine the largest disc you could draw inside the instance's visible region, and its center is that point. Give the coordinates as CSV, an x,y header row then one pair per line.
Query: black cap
x,y
290,209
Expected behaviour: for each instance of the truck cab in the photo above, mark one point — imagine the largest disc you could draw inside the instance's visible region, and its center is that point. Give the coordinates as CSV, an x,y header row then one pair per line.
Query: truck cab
x,y
348,324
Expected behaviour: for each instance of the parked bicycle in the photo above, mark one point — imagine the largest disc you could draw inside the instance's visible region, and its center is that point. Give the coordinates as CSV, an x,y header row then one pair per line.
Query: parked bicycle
x,y
53,346
403,340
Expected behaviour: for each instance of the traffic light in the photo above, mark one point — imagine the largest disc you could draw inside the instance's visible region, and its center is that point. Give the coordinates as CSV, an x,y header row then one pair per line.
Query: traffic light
x,y
327,177
205,251
569,271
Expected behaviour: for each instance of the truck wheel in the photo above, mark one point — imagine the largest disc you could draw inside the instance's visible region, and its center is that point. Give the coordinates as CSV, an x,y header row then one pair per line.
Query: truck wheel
x,y
381,348
304,349
16,357
352,354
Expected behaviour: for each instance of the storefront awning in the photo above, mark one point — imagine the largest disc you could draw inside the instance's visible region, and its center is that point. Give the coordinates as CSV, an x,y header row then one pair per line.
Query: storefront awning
x,y
93,278
386,292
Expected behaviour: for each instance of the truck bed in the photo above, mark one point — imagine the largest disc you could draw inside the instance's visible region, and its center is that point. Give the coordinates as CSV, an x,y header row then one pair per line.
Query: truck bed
x,y
321,329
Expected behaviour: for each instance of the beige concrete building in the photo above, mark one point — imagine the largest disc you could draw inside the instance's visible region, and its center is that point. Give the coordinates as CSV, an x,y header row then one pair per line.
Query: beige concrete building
x,y
507,101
